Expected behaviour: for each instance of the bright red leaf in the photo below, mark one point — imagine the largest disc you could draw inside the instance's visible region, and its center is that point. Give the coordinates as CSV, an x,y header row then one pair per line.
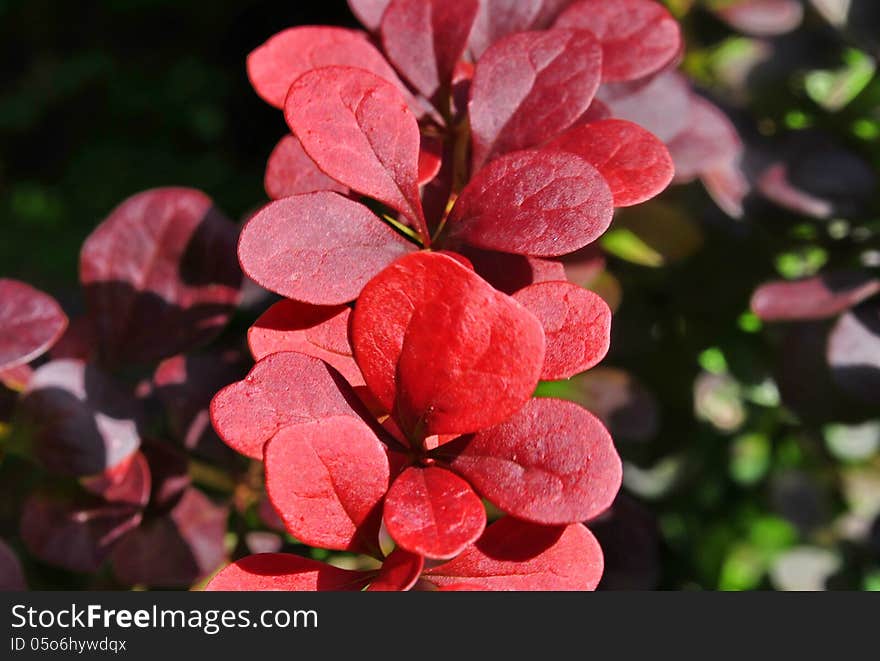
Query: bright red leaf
x,y
432,512
553,462
315,330
819,297
529,87
399,572
636,165
290,171
319,248
358,130
638,37
30,323
540,203
281,390
513,555
275,572
577,326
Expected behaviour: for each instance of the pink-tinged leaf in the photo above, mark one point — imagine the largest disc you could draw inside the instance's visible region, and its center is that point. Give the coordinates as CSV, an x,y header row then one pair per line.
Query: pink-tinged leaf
x,y
577,326
437,344
509,273
636,165
514,555
327,479
16,378
175,549
552,463
625,406
77,535
186,384
275,66
762,18
160,275
529,87
540,203
820,297
358,130
425,39
30,323
248,413
11,574
290,171
430,159
319,331
498,18
127,483
369,12
277,572
660,105
319,248
709,140
638,37
597,112
728,186
84,422
433,513
854,352
399,572
583,266
775,184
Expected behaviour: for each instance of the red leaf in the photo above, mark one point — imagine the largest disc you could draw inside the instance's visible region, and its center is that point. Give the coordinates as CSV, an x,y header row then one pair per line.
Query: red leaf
x,y
248,413
369,12
762,18
85,422
399,572
710,139
660,105
577,326
126,483
513,555
820,297
529,87
540,203
430,159
290,171
160,275
319,248
273,572
454,354
11,574
358,130
176,549
30,323
552,463
636,165
169,468
424,39
275,66
509,273
327,480
499,18
319,331
639,37
433,513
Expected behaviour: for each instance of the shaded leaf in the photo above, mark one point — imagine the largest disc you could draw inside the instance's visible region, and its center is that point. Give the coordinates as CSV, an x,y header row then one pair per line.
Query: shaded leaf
x,y
290,171
127,483
11,574
854,352
709,140
399,572
625,406
660,105
762,18
30,323
821,297
274,572
509,273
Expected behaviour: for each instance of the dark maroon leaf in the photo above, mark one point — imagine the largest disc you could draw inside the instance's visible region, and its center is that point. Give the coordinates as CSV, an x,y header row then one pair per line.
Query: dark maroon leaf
x,y
854,352
11,574
820,297
127,483
285,571
160,275
30,323
169,468
84,421
627,408
630,539
290,171
529,87
509,273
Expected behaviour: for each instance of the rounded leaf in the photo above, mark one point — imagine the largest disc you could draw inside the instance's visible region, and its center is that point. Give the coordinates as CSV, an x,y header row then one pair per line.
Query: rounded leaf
x,y
399,572
660,105
819,297
30,323
290,171
499,18
126,483
510,273
275,572
762,18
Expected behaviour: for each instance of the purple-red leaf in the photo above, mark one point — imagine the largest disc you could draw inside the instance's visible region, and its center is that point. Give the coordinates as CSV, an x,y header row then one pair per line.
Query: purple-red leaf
x,y
30,323
709,140
315,330
327,480
553,462
433,513
540,203
635,164
357,128
319,248
577,326
625,406
399,572
819,297
126,483
762,18
160,275
509,273
273,572
175,549
84,421
11,574
499,18
638,37
281,390
529,87
660,105
425,39
290,171
439,346
275,66
514,555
